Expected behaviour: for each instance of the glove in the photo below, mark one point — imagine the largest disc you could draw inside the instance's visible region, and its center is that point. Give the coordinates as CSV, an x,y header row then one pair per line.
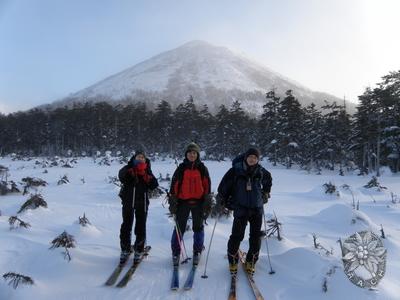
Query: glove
x,y
140,168
131,172
220,206
173,204
265,197
147,178
207,204
220,200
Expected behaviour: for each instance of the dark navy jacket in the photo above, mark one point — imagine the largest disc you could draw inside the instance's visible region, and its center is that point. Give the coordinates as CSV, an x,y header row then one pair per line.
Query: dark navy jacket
x,y
233,185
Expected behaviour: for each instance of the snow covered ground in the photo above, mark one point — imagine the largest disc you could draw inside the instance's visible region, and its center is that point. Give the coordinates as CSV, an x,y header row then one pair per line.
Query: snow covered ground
x,y
298,199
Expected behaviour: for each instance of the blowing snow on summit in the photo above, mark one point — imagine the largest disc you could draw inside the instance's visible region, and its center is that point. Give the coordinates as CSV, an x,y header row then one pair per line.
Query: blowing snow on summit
x,y
211,74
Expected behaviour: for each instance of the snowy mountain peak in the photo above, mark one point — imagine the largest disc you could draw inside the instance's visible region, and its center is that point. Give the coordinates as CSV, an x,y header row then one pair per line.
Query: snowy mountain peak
x,y
213,75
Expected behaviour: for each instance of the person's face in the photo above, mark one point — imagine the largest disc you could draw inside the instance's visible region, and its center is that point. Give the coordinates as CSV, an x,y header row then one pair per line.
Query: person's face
x,y
191,155
252,160
140,157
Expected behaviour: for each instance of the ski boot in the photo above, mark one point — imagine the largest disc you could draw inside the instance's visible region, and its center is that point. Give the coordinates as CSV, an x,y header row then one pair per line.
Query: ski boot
x,y
250,267
175,260
124,257
233,268
196,257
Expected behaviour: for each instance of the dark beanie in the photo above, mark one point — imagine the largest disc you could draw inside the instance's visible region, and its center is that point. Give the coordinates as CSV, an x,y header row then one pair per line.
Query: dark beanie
x,y
252,151
192,147
137,152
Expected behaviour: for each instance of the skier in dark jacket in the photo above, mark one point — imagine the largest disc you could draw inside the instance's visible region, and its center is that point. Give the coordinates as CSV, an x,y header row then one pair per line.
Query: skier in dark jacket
x,y
137,179
245,188
189,193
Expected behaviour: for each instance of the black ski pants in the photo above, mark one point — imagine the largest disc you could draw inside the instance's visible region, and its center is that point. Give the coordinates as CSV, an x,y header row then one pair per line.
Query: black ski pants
x,y
129,213
185,207
254,217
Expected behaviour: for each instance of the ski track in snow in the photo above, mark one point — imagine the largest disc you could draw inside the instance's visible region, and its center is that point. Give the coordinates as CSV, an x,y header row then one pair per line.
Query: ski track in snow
x,y
297,198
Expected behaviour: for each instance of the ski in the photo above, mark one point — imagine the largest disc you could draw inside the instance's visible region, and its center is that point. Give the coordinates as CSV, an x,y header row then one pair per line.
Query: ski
x,y
128,275
118,269
250,277
232,290
189,280
175,278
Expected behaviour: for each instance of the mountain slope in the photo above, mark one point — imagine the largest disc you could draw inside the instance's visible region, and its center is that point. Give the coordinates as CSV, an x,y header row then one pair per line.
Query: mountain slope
x,y
212,75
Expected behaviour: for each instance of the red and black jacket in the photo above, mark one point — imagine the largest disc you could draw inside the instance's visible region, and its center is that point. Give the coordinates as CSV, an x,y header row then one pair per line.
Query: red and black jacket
x,y
191,181
142,183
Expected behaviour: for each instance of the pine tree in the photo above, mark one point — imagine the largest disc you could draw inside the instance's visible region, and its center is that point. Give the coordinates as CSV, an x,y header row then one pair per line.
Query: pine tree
x,y
220,146
161,128
289,124
267,126
389,99
312,147
239,130
336,129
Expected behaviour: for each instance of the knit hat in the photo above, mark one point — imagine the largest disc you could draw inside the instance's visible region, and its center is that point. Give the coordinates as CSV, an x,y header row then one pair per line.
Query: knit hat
x,y
192,147
137,152
252,151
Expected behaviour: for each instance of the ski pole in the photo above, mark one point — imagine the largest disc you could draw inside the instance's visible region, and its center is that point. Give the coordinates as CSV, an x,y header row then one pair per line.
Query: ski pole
x,y
181,242
209,247
266,243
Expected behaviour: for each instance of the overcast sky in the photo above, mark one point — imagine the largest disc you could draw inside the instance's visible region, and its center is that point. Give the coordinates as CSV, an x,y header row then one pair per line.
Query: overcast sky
x,y
51,48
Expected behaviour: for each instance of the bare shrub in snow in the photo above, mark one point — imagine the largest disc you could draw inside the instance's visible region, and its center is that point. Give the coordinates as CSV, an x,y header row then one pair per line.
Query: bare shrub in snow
x,y
63,180
31,182
3,173
274,226
167,178
33,202
330,188
317,245
382,232
105,161
16,222
395,198
64,240
15,279
157,192
83,221
218,209
348,188
114,180
375,183
7,187
67,164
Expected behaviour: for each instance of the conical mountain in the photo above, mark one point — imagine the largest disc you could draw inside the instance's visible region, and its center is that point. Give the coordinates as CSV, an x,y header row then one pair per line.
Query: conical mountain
x,y
212,75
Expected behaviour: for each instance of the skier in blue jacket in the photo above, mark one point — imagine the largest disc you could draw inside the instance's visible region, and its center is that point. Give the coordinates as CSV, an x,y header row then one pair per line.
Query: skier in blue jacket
x,y
245,188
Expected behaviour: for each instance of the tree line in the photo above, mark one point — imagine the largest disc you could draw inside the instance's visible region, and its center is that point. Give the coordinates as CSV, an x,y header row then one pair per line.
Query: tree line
x,y
286,132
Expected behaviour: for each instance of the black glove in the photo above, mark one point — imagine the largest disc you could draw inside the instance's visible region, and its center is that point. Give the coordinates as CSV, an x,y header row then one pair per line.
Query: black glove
x,y
220,200
265,197
207,204
173,204
220,206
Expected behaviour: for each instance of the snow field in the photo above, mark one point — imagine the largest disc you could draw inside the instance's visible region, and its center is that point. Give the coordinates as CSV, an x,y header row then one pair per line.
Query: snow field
x,y
297,199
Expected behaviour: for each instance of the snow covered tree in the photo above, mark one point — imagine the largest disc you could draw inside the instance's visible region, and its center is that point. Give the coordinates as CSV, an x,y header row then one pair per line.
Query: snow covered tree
x,y
289,124
161,128
220,146
267,126
64,240
336,134
312,147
